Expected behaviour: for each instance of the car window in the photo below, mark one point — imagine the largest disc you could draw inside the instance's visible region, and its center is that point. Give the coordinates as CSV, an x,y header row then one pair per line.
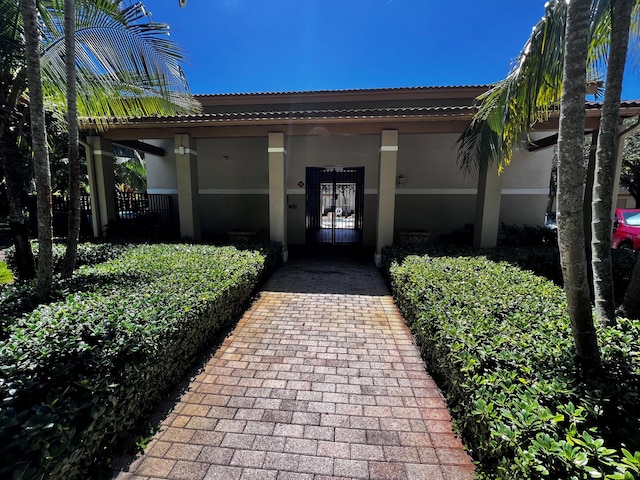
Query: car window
x,y
632,218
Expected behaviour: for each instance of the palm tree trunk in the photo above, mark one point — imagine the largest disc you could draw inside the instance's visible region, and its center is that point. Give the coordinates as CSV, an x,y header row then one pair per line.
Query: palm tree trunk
x,y
29,12
630,307
606,163
553,182
73,232
589,180
570,184
13,171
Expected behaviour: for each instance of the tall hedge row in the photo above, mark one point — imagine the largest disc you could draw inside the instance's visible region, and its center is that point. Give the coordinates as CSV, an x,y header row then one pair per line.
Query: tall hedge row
x,y
78,373
498,340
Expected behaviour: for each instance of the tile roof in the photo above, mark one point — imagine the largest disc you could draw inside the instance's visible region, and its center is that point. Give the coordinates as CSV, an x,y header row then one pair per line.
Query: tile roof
x,y
252,114
346,90
623,104
352,113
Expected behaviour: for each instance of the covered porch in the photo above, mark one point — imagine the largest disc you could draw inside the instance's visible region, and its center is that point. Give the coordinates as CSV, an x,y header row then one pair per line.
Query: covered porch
x,y
240,166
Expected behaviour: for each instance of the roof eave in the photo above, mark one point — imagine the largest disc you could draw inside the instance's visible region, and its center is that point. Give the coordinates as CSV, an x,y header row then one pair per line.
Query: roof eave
x,y
266,98
204,121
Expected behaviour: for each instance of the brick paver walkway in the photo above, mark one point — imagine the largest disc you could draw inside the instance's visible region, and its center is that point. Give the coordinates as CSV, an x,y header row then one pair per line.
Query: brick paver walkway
x,y
320,379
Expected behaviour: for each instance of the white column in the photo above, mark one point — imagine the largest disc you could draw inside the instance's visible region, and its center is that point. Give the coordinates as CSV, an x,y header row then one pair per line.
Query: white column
x,y
187,177
620,139
102,184
485,233
386,190
278,192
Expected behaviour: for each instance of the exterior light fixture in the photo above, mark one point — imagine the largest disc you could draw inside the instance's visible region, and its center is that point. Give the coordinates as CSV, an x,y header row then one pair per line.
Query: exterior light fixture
x,y
400,180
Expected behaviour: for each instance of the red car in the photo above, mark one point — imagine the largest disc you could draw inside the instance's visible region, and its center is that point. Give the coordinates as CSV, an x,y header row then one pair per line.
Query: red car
x,y
626,229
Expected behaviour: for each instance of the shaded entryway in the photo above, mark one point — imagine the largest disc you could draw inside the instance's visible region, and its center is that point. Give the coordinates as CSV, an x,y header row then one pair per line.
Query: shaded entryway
x,y
334,205
320,379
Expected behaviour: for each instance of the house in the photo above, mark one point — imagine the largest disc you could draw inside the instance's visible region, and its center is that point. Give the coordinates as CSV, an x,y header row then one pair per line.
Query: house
x,y
349,166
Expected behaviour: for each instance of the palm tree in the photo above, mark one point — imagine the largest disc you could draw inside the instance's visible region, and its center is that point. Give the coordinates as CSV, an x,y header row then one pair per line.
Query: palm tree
x,y
531,91
605,168
73,232
125,66
12,126
630,307
528,95
29,13
570,182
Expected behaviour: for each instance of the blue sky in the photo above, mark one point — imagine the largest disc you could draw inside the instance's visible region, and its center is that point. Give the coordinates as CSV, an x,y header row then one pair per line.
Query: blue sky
x,y
290,45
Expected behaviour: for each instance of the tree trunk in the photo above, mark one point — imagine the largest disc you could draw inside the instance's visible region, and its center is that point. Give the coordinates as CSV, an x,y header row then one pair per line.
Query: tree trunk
x,y
73,232
29,12
570,184
13,171
589,181
606,163
553,182
630,307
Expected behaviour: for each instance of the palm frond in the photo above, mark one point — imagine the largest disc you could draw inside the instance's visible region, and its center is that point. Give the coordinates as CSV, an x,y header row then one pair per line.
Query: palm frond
x,y
532,90
10,36
126,64
634,34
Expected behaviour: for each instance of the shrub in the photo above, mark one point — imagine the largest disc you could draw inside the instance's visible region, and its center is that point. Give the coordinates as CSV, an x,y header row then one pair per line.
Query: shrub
x,y
78,373
498,340
89,253
19,297
526,235
5,274
541,260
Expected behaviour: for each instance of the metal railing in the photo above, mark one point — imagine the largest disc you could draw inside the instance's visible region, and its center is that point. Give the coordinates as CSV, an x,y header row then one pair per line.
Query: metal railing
x,y
144,207
135,211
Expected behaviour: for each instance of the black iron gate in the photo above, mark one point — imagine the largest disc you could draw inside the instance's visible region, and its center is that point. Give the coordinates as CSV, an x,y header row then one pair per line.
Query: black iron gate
x,y
334,204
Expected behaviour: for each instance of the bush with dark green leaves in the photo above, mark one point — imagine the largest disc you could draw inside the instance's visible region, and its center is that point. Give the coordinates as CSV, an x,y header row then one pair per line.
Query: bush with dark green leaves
x,y
497,339
89,253
541,260
20,297
76,374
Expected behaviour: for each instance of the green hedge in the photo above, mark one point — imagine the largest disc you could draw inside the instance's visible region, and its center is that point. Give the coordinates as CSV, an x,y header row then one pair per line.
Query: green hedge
x,y
78,373
541,260
88,253
498,340
19,297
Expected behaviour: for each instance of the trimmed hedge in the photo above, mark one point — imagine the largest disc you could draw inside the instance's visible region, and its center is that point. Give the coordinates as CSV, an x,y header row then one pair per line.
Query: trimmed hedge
x,y
88,253
498,340
19,297
78,373
541,260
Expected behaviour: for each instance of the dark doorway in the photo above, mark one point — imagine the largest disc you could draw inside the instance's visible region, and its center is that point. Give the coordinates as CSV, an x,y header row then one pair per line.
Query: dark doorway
x,y
334,203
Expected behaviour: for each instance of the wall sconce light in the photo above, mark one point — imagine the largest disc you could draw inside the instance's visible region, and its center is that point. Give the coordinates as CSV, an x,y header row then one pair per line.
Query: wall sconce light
x,y
400,180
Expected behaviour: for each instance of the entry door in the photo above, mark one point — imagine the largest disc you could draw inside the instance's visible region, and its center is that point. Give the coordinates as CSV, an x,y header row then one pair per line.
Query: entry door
x,y
335,198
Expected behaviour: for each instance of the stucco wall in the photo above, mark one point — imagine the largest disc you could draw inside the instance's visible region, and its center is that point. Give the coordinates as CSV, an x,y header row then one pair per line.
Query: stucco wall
x,y
438,197
232,164
223,213
233,177
525,187
435,196
161,171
